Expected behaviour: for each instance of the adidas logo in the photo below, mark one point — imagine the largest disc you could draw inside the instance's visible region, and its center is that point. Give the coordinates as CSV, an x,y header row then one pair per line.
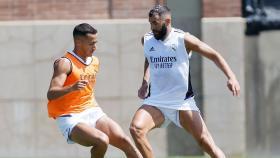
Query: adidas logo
x,y
152,49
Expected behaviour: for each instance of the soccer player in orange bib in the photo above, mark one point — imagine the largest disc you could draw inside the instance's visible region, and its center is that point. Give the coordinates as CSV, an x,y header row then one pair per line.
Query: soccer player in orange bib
x,y
72,103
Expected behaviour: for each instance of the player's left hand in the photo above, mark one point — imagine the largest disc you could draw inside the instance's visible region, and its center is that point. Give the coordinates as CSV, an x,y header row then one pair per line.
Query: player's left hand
x,y
233,86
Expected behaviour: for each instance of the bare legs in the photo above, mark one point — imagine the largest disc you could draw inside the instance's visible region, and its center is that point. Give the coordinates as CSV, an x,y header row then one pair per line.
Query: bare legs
x,y
87,136
145,119
148,117
106,132
192,122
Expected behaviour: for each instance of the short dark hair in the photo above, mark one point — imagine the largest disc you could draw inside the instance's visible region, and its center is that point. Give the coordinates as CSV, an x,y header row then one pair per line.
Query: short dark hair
x,y
159,10
83,29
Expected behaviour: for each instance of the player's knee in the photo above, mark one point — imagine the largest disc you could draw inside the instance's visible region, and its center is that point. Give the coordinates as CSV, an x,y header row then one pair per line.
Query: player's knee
x,y
136,131
102,141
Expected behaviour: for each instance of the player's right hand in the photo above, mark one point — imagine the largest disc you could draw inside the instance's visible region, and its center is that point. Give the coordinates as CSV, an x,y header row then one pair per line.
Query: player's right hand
x,y
233,86
79,85
142,92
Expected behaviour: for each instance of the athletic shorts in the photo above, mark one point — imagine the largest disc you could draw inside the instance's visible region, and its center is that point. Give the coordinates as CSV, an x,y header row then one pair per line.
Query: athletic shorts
x,y
66,123
172,115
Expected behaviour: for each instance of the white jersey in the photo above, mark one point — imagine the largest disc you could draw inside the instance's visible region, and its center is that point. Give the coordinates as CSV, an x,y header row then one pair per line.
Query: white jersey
x,y
170,85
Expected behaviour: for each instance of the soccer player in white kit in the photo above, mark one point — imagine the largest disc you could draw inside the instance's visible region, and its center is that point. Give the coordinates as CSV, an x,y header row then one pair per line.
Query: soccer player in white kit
x,y
166,87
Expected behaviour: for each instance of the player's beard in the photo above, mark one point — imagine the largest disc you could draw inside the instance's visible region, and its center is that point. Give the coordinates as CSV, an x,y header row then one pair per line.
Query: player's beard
x,y
162,33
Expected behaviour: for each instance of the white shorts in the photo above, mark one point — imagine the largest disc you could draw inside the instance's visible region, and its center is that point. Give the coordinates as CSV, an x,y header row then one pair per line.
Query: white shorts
x,y
66,123
188,104
172,115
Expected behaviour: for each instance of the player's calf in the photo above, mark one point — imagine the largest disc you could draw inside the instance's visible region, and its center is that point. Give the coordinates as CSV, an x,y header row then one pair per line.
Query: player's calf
x,y
206,142
128,148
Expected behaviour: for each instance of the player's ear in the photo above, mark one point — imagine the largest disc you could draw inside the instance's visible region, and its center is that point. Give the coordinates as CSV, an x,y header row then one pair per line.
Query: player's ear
x,y
168,21
78,40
